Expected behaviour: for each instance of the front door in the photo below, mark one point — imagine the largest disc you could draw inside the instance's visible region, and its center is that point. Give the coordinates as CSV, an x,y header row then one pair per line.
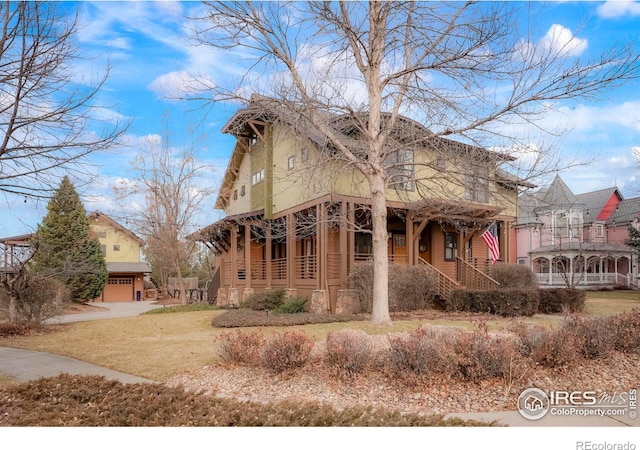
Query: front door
x,y
399,248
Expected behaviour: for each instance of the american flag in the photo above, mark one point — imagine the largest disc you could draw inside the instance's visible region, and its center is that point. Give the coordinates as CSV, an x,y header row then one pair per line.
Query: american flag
x,y
490,237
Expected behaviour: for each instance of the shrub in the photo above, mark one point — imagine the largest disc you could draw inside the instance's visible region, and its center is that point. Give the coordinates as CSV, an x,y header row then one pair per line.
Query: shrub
x,y
240,348
558,347
348,350
595,336
514,276
40,299
479,355
410,287
250,318
503,302
294,305
564,300
626,327
420,352
266,300
287,351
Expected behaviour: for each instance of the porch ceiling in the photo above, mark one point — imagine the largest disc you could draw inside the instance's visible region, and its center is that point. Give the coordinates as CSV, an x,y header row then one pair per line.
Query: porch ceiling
x,y
591,248
436,208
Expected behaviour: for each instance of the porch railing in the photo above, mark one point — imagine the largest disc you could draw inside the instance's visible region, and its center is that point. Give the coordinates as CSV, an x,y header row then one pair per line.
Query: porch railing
x,y
445,284
393,259
472,278
306,267
585,280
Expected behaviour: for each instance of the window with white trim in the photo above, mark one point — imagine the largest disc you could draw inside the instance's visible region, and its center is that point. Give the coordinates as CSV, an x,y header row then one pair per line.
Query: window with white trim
x,y
257,177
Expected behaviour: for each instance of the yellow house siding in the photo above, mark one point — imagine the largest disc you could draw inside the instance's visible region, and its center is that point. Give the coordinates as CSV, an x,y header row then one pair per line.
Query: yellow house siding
x,y
119,247
239,203
304,180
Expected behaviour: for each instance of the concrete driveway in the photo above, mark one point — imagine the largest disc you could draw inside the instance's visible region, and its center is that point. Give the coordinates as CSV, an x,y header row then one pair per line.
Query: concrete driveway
x,y
25,365
111,310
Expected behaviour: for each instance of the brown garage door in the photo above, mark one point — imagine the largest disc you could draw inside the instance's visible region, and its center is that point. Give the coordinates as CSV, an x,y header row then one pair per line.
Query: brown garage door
x,y
119,289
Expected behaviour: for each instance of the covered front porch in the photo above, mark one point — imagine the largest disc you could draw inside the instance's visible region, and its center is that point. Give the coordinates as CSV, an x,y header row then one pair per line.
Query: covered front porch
x,y
316,247
584,265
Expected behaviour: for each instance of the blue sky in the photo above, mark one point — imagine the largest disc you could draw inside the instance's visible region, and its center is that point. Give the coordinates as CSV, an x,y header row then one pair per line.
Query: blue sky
x,y
151,57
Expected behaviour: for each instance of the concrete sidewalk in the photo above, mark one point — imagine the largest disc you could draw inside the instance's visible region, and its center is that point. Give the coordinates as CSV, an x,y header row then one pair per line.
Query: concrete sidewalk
x,y
515,419
27,365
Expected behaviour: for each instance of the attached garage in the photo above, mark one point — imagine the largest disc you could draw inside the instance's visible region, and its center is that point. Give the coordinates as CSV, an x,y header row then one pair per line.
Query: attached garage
x,y
119,289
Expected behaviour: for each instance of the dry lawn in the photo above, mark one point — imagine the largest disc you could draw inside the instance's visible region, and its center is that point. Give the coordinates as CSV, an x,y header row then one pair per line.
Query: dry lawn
x,y
159,346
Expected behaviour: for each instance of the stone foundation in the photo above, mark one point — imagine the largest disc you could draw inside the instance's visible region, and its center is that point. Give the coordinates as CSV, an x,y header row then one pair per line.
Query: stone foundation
x,y
222,300
319,303
347,302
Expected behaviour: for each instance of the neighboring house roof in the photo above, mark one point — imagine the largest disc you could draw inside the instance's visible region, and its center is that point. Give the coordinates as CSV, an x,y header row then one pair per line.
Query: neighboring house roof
x,y
106,220
599,205
556,195
23,240
128,267
625,212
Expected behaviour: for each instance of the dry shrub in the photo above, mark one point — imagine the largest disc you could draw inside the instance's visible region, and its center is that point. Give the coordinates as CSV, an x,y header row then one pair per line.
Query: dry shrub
x,y
348,350
595,336
266,300
626,328
560,349
410,287
287,351
502,302
41,299
249,318
514,276
563,300
241,347
420,352
479,355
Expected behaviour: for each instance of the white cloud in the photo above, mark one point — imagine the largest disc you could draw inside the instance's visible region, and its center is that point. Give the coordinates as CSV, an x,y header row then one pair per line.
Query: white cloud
x,y
561,40
619,8
177,84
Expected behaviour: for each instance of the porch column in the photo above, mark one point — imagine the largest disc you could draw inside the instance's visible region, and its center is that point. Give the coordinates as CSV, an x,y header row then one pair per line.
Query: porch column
x,y
247,254
344,248
351,236
550,271
234,255
267,254
321,245
410,243
291,249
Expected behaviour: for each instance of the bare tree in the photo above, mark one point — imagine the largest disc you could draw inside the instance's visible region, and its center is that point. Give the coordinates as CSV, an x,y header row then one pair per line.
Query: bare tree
x,y
167,178
460,69
49,116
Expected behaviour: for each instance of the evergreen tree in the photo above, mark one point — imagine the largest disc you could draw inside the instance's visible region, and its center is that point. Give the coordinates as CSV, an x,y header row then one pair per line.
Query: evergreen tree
x,y
63,248
634,238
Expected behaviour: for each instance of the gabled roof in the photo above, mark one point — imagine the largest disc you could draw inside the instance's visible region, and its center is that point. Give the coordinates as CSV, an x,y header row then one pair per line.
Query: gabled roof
x,y
103,219
625,212
600,204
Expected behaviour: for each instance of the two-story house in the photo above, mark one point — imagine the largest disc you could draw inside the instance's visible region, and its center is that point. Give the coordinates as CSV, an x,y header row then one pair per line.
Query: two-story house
x,y
577,240
300,220
121,248
122,253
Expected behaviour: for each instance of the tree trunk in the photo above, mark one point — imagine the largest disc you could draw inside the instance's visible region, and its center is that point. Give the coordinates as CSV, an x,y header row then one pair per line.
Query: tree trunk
x,y
380,311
